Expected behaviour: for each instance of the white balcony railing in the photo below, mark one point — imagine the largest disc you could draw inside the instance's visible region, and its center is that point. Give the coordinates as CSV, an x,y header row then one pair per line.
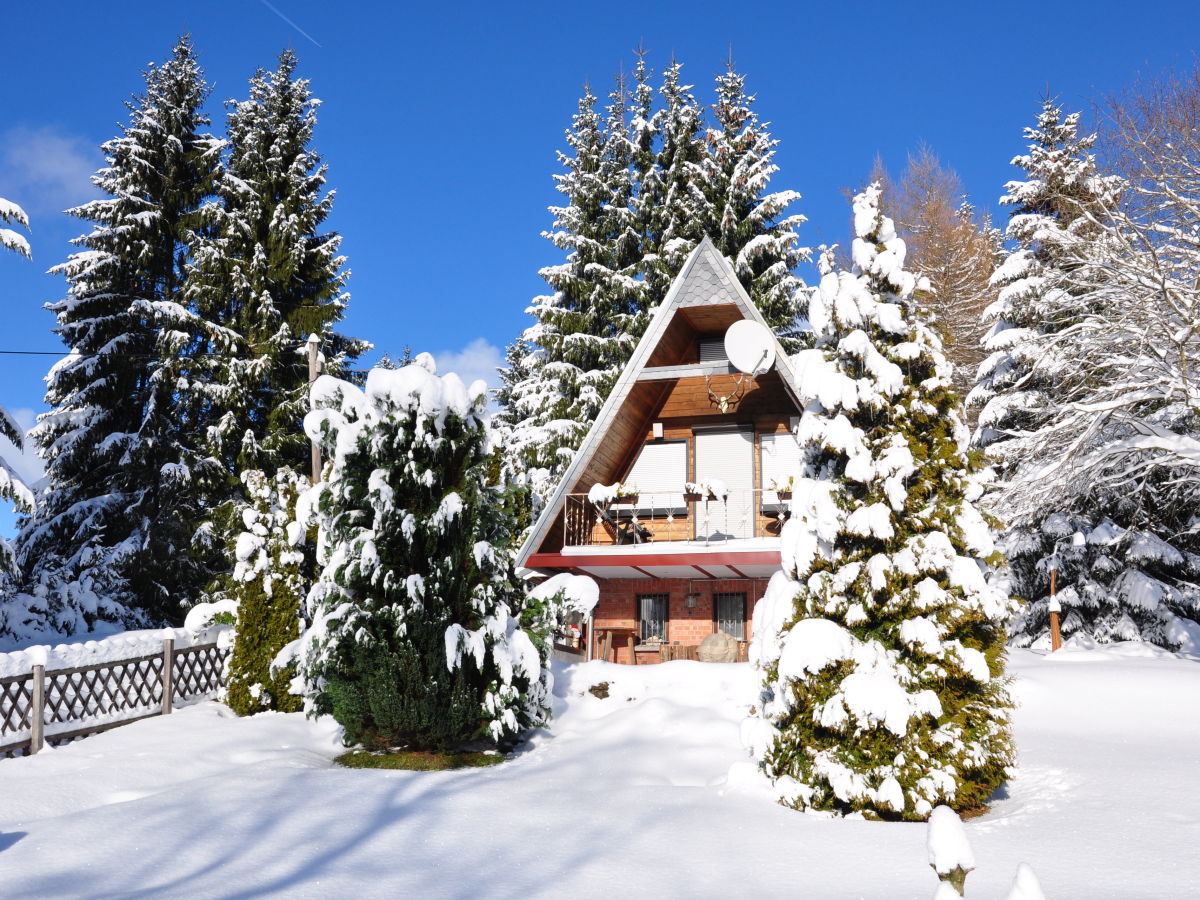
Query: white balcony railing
x,y
660,516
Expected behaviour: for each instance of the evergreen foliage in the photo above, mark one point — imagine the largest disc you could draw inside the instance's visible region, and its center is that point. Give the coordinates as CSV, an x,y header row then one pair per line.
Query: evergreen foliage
x,y
415,640
264,278
642,186
1091,411
730,202
881,643
120,499
11,486
269,583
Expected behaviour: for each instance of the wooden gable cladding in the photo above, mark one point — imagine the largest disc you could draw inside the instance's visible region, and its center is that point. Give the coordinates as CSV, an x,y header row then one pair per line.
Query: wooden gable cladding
x,y
664,382
677,345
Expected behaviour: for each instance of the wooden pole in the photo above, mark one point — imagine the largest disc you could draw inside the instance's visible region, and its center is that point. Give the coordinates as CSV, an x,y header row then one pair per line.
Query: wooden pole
x,y
37,712
1055,634
168,675
314,369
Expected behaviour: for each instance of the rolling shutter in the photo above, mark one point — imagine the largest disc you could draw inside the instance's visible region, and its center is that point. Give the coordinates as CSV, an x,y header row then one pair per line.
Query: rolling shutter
x,y
659,474
726,456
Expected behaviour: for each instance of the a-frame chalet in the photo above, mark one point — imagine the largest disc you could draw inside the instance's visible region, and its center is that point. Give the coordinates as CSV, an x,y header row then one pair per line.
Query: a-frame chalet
x,y
675,565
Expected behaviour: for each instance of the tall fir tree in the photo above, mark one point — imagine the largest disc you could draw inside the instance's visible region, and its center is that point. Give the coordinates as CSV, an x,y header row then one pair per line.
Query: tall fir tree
x,y
1113,554
635,210
585,329
730,202
669,230
881,643
416,638
265,278
1104,489
110,537
268,277
12,488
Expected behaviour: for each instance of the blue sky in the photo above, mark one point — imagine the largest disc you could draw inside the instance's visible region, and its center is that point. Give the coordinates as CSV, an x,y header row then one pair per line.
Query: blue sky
x,y
440,122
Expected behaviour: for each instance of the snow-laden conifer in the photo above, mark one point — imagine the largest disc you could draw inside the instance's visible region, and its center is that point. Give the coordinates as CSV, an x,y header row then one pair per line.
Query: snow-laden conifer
x,y
643,187
670,151
109,539
881,641
1072,304
11,486
1098,480
586,329
269,583
730,200
269,276
415,638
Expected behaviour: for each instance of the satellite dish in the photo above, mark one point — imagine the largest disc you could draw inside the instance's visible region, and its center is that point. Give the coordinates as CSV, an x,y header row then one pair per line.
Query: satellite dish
x,y
750,347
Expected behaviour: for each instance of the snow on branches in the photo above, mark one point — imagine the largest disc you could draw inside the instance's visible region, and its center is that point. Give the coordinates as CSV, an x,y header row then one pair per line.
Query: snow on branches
x,y
881,641
416,637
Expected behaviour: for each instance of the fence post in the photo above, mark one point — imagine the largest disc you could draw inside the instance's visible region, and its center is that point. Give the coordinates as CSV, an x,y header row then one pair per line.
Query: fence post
x,y
37,714
168,673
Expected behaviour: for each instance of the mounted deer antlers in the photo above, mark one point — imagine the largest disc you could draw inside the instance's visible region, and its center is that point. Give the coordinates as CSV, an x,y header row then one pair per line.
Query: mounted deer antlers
x,y
729,401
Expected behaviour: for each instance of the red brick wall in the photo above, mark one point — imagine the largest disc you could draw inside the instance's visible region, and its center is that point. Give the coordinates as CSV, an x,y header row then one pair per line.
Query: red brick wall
x,y
617,607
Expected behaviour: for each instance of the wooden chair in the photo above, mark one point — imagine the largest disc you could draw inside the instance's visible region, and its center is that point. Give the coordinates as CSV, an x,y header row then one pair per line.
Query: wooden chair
x,y
605,646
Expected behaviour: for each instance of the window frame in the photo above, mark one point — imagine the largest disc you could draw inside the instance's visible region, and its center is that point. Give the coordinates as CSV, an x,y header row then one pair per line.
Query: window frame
x,y
738,596
660,601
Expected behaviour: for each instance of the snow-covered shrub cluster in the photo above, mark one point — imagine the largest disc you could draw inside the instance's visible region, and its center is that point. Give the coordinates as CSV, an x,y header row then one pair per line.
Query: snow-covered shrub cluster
x,y
881,641
268,588
415,638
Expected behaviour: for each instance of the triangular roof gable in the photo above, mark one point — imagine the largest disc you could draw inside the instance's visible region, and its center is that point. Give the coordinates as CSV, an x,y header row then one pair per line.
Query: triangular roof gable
x,y
707,278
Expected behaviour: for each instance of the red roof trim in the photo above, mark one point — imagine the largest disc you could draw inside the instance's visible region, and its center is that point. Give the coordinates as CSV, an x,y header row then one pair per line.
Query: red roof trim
x,y
640,560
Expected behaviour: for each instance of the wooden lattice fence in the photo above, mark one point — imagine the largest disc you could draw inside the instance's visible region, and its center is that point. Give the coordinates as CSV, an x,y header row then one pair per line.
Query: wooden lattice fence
x,y
62,705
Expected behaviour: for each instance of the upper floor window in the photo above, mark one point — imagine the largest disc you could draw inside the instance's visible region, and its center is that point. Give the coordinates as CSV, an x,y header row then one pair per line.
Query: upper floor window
x,y
659,475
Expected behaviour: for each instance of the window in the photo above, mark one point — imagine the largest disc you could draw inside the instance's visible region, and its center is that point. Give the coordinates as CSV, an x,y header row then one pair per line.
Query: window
x,y
730,610
659,475
652,615
780,455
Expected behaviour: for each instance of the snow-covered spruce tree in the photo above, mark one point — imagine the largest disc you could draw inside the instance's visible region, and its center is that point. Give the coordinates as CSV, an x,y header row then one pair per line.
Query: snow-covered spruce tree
x,y
668,229
728,198
265,277
1020,388
269,584
415,640
12,488
109,539
586,329
1123,444
881,643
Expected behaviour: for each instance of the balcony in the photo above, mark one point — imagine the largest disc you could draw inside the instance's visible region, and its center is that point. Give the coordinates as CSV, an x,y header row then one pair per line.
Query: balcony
x,y
674,517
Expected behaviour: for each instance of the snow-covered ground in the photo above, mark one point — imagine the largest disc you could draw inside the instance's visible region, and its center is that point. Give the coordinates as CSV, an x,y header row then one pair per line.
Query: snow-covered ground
x,y
626,795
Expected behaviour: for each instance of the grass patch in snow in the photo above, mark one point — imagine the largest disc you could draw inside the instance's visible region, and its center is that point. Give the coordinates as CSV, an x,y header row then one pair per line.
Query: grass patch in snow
x,y
417,761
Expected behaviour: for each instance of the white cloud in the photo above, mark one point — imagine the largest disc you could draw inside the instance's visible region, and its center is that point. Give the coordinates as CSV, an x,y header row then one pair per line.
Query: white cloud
x,y
478,359
45,170
26,463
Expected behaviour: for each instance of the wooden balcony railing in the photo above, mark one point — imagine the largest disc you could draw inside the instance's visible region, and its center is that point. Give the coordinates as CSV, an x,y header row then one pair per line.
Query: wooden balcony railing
x,y
660,516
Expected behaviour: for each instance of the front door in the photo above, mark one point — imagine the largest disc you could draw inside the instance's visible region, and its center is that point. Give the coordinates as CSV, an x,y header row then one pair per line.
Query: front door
x,y
728,457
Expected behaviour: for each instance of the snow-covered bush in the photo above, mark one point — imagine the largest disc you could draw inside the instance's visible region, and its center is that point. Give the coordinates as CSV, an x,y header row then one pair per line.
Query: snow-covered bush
x,y
415,639
881,641
268,587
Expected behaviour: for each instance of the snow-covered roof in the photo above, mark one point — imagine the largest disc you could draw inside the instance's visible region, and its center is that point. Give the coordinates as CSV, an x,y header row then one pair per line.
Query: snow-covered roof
x,y
706,279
